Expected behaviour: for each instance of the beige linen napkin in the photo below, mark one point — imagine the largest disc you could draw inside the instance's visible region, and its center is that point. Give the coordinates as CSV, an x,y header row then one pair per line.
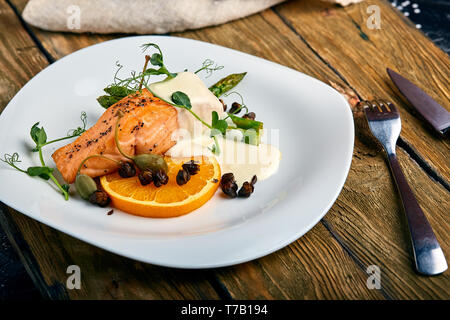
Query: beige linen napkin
x,y
139,16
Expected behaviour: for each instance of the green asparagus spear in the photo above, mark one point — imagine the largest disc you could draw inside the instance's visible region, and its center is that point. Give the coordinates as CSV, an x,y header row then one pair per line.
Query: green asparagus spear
x,y
226,84
251,128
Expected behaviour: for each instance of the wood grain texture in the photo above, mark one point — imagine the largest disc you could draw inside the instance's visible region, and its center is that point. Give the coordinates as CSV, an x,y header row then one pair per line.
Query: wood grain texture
x,y
379,233
104,275
313,267
361,55
347,272
364,227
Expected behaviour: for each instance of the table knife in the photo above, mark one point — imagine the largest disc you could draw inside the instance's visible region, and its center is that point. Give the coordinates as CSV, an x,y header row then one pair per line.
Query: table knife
x,y
432,112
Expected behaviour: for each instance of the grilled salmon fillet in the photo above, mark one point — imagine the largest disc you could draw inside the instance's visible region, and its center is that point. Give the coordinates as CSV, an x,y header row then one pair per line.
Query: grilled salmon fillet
x,y
146,127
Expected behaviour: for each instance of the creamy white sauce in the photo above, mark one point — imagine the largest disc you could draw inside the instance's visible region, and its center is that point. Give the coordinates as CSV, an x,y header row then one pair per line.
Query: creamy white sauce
x,y
203,101
242,159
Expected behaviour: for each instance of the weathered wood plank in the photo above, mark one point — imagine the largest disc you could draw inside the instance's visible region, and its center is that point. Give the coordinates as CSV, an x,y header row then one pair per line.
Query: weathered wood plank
x,y
347,270
369,220
379,234
313,267
104,275
368,223
341,37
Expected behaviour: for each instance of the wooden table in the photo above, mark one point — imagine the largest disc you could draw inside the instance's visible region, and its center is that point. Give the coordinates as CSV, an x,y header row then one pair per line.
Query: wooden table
x,y
366,225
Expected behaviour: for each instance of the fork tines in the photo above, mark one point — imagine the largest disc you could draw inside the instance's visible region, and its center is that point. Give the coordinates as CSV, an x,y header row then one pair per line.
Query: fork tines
x,y
379,105
379,109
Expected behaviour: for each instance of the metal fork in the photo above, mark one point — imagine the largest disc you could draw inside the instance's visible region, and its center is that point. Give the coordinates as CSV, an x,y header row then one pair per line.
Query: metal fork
x,y
384,122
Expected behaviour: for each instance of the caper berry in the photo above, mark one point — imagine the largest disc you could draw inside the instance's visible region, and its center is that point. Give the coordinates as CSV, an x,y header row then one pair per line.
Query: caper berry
x,y
192,167
127,170
159,178
148,161
235,108
183,177
228,185
145,177
250,116
85,186
99,198
246,190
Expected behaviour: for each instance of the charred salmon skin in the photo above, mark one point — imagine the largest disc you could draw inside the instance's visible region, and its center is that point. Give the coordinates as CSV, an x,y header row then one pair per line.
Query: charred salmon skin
x,y
146,127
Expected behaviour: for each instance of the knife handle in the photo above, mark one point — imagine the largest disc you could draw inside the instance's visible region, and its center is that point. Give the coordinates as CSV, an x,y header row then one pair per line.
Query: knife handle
x,y
428,255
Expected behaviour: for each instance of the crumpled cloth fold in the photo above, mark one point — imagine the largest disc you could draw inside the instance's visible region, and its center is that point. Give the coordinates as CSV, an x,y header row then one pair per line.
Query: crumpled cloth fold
x,y
139,16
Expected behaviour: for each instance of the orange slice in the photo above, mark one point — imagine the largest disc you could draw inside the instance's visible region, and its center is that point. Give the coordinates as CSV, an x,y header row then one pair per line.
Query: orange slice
x,y
170,200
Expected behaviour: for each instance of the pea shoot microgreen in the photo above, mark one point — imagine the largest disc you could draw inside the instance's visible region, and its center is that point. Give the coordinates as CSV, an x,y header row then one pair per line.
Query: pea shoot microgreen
x,y
120,88
158,61
209,66
37,133
218,124
181,99
242,104
39,136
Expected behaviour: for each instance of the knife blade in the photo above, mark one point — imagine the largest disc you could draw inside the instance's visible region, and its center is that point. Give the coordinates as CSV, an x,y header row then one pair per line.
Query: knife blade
x,y
433,112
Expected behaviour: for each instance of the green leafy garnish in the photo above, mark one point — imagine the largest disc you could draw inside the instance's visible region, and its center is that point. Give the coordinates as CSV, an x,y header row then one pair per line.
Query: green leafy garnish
x,y
219,125
215,148
181,99
209,66
157,60
124,87
43,172
40,137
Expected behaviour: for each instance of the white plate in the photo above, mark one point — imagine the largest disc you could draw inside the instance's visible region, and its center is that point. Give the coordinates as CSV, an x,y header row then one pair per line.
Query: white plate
x,y
316,141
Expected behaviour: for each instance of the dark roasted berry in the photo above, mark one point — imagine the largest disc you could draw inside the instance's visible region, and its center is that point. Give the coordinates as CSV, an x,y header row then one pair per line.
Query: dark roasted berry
x,y
228,185
246,190
227,177
127,170
160,178
223,104
254,179
99,198
183,177
191,167
250,116
145,177
235,108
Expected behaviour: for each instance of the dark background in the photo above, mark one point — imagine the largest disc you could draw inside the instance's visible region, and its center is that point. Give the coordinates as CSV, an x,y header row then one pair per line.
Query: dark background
x,y
432,17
